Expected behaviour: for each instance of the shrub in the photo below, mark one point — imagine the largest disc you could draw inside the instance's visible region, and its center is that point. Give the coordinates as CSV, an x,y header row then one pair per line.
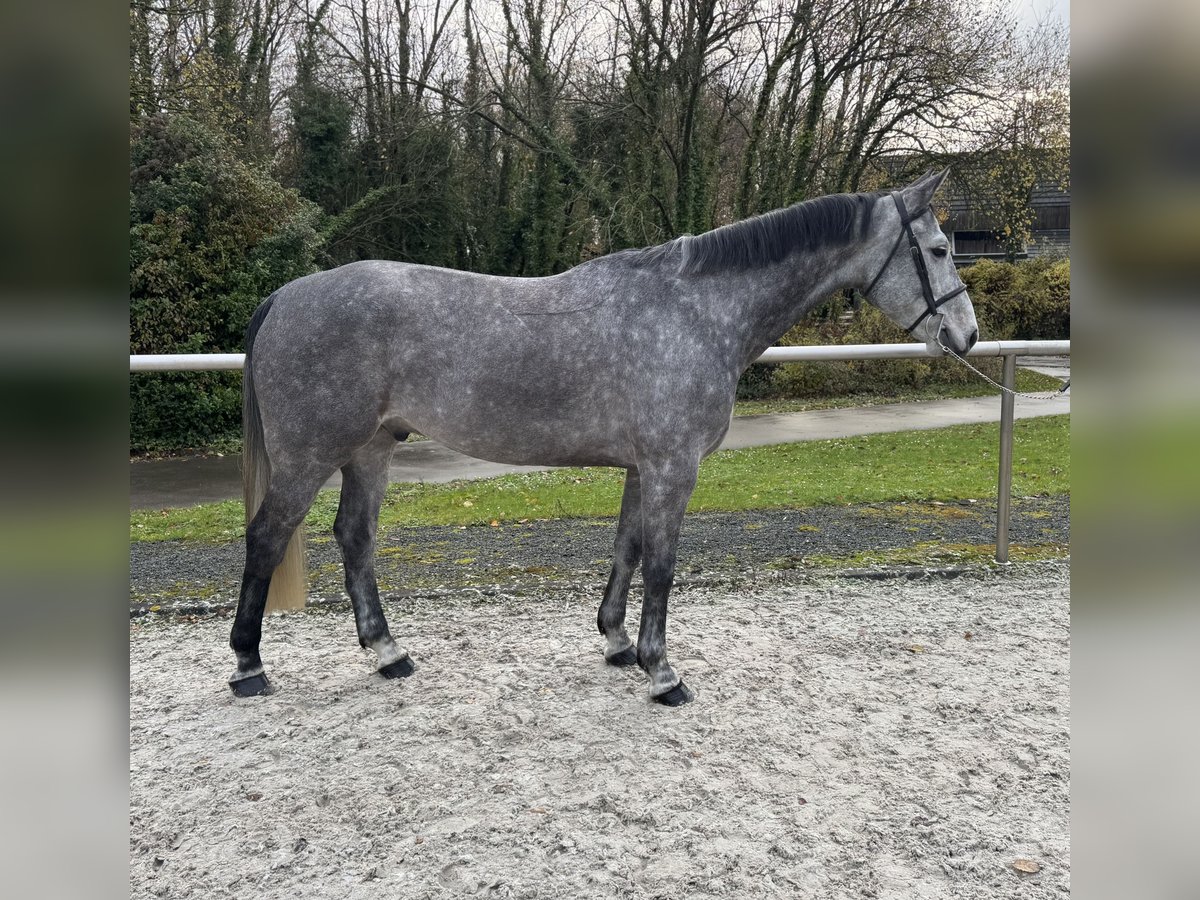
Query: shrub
x,y
210,236
1028,300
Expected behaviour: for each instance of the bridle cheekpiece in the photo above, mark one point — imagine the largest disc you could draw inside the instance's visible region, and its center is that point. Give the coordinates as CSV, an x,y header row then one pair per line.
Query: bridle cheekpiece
x,y
932,305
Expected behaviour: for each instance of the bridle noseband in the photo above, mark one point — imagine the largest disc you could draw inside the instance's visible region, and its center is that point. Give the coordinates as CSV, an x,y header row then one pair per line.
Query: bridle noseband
x,y
919,258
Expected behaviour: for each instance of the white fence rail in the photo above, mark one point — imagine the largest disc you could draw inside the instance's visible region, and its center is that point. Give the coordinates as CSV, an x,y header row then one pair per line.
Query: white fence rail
x,y
216,362
1009,350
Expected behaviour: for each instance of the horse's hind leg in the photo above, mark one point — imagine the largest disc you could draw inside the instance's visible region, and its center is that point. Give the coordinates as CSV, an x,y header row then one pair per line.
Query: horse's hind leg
x,y
282,510
364,482
627,552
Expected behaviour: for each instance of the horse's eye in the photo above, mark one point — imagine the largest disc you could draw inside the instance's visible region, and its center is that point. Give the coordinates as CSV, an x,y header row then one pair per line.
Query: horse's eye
x,y
941,250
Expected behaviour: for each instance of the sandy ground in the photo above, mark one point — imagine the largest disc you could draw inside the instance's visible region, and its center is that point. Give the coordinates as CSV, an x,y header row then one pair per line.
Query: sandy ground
x,y
850,738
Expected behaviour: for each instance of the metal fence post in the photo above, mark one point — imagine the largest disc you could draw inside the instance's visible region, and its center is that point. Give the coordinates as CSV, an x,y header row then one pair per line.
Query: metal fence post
x,y
1004,494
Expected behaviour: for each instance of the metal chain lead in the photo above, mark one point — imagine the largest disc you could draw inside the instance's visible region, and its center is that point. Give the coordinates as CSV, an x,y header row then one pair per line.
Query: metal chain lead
x,y
1049,395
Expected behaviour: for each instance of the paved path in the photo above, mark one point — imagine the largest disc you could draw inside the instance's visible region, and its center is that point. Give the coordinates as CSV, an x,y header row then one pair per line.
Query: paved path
x,y
825,424
1054,366
156,484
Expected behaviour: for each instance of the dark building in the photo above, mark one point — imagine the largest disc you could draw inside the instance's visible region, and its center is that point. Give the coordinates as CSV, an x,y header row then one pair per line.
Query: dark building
x,y
972,233
970,227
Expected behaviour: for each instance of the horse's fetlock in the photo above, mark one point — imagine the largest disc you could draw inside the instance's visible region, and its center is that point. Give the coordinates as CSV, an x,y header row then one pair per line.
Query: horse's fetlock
x,y
244,642
643,661
651,653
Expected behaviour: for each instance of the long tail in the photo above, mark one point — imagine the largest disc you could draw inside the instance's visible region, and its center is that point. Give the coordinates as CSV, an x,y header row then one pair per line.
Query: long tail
x,y
289,583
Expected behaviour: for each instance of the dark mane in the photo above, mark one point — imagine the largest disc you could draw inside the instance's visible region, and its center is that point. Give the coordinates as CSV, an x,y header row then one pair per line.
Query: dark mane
x,y
766,239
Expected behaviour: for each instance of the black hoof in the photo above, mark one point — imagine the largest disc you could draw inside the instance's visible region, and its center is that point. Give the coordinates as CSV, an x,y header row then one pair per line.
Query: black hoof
x,y
676,696
627,657
401,668
252,686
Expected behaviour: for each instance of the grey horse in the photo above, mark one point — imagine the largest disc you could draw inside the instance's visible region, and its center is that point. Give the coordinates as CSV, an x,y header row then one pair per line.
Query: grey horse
x,y
628,360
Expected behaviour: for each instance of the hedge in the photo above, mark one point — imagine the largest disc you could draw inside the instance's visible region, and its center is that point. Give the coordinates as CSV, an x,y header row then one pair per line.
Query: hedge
x,y
210,236
1028,300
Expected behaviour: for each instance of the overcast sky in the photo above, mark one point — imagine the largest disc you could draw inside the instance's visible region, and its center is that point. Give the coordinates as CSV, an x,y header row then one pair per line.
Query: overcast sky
x,y
1032,10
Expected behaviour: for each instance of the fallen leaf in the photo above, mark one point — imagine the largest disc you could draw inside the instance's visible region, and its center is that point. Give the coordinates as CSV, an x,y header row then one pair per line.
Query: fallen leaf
x,y
494,523
1026,866
468,503
916,648
968,635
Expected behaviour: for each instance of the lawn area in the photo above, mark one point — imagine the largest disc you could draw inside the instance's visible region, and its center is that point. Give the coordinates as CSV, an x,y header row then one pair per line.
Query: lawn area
x,y
944,464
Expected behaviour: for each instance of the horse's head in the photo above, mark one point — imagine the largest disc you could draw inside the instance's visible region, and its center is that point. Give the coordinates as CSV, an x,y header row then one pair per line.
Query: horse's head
x,y
914,280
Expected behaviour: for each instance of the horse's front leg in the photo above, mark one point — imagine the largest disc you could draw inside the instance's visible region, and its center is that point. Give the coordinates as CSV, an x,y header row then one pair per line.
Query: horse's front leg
x,y
627,552
665,490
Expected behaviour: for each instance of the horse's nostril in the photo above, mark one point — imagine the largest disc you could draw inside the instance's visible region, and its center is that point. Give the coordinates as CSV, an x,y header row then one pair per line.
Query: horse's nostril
x,y
973,339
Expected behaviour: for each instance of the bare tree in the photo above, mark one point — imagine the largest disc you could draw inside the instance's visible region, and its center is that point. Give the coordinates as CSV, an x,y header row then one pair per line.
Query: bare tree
x,y
516,135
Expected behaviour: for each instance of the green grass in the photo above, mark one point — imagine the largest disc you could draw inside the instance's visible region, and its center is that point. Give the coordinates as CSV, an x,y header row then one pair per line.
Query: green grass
x,y
943,464
1026,381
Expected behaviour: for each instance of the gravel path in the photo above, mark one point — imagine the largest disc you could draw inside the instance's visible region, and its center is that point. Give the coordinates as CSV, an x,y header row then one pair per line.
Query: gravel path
x,y
520,557
850,738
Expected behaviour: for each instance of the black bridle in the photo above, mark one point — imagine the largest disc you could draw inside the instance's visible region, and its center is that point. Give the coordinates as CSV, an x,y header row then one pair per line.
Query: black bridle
x,y
919,258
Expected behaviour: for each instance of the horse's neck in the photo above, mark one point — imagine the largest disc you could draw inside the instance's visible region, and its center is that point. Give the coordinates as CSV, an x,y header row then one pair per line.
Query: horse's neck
x,y
770,300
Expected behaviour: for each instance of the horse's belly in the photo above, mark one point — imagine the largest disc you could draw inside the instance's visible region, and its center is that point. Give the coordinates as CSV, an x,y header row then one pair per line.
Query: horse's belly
x,y
526,434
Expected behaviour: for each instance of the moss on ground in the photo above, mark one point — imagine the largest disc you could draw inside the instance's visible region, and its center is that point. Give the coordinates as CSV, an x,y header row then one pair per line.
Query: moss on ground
x,y
932,554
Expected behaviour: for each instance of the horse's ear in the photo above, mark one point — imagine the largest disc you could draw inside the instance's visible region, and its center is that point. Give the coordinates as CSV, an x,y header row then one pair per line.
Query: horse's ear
x,y
920,193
